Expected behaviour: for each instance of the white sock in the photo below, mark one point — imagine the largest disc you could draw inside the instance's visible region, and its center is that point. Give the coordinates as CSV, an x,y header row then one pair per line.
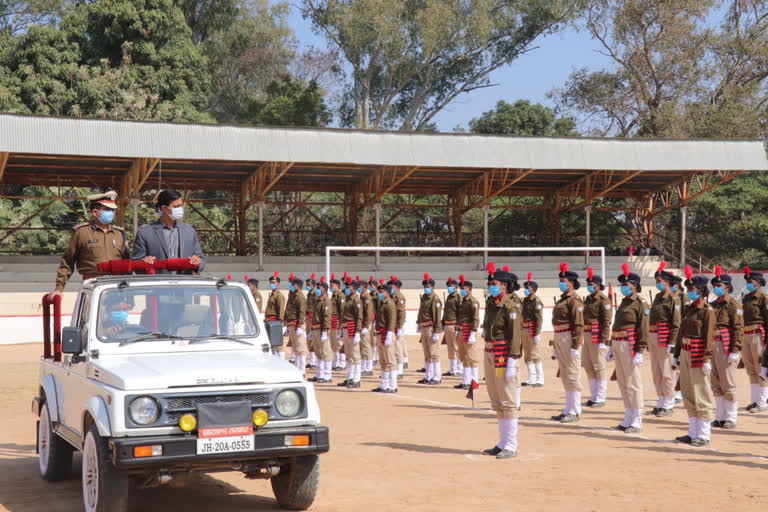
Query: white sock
x,y
384,380
466,376
627,421
400,369
637,418
502,433
428,372
343,360
678,395
476,374
517,395
358,372
602,388
312,359
350,372
510,435
568,402
281,354
704,430
459,366
393,380
763,397
531,374
576,402
719,413
437,371
692,427
540,373
592,389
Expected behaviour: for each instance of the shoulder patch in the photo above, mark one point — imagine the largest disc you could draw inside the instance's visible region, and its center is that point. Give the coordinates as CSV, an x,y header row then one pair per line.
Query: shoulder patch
x,y
513,315
538,306
402,302
607,306
677,307
118,228
475,305
739,312
359,306
81,226
580,308
647,311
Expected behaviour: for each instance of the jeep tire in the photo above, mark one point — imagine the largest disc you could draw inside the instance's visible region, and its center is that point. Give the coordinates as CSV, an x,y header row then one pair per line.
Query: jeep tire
x,y
105,489
54,453
295,486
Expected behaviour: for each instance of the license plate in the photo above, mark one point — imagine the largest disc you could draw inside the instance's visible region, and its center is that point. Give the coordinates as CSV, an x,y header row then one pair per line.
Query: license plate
x,y
225,440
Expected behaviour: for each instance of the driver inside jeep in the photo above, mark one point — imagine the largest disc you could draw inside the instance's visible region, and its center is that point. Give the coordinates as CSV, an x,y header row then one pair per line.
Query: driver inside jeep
x,y
114,316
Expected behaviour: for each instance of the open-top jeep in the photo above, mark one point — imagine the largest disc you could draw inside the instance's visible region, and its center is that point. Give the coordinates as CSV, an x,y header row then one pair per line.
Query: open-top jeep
x,y
158,377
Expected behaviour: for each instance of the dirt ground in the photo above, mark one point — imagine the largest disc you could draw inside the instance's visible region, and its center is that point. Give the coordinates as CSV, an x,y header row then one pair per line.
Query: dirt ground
x,y
419,450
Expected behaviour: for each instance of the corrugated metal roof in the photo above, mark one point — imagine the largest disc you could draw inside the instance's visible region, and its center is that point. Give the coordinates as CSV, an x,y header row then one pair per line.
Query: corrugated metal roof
x,y
125,139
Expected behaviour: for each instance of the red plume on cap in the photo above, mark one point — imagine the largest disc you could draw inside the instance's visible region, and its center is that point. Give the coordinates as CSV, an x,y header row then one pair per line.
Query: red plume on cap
x,y
530,276
370,279
346,274
312,276
563,267
718,271
229,277
426,276
394,278
625,269
246,277
277,273
747,271
590,273
461,278
491,267
291,277
333,275
381,281
688,272
662,266
322,279
357,278
505,268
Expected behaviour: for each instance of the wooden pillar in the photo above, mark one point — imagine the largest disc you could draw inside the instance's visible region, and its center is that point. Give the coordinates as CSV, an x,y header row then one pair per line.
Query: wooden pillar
x,y
240,205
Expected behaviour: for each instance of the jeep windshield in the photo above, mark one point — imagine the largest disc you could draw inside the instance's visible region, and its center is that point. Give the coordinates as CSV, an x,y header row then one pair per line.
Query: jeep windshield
x,y
155,313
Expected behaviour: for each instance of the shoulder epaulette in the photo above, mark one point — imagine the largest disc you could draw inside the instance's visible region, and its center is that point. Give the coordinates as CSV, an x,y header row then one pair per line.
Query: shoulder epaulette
x,y
81,226
118,228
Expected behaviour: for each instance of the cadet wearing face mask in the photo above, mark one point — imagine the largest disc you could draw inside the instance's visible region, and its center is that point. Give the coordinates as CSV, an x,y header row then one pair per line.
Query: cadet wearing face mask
x,y
94,242
321,326
470,351
311,298
295,314
597,335
532,321
366,350
664,324
429,327
755,322
450,314
168,237
275,310
352,325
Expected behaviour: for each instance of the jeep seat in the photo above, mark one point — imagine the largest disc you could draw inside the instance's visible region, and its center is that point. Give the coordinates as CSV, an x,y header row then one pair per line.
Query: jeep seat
x,y
193,320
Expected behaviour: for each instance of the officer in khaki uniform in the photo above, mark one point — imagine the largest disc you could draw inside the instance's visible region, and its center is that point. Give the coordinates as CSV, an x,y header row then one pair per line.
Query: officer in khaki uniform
x,y
755,322
693,355
337,340
597,337
401,348
352,325
629,340
321,326
503,349
428,323
664,325
451,329
372,292
295,315
568,323
275,309
532,321
253,285
729,339
311,298
386,324
470,351
94,242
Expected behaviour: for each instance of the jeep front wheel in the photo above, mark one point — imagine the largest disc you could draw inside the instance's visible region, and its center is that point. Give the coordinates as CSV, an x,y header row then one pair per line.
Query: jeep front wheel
x,y
54,453
104,488
295,487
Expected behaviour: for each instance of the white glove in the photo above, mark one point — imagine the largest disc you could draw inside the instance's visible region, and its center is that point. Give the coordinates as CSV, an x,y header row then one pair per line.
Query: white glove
x,y
399,333
554,352
482,332
706,368
536,339
388,339
609,355
574,353
733,358
285,331
357,338
601,346
324,336
638,359
471,338
299,331
675,362
670,349
364,331
418,328
511,369
764,373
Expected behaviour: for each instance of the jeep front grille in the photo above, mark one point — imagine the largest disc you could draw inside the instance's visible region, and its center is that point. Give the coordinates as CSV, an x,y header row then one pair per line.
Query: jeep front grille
x,y
189,403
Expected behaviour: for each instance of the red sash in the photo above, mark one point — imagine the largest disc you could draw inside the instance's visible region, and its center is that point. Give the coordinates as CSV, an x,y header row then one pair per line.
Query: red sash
x,y
272,318
531,326
595,331
383,335
663,333
696,347
466,329
725,337
500,353
631,337
335,322
350,328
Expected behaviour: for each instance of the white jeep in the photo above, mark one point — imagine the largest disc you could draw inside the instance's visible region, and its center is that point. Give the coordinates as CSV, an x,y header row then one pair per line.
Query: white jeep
x,y
163,376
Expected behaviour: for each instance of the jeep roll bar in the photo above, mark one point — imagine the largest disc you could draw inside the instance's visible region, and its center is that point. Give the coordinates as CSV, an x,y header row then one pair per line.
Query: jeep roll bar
x,y
56,303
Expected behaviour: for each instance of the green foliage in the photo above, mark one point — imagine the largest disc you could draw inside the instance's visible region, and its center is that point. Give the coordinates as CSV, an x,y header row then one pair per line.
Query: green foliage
x,y
288,103
523,119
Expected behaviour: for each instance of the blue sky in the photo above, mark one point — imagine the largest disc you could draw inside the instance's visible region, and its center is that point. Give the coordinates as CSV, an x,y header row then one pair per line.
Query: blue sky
x,y
529,77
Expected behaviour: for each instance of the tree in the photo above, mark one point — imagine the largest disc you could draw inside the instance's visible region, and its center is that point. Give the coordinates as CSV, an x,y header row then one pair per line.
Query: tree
x,y
287,102
523,119
410,59
17,16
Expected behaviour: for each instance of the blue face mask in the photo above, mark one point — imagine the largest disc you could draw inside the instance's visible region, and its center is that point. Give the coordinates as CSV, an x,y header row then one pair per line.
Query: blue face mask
x,y
527,292
347,291
272,286
309,288
590,288
381,296
751,287
428,291
563,286
626,290
392,291
693,295
318,291
107,216
372,290
118,317
673,288
660,287
494,290
463,292
451,290
291,287
719,290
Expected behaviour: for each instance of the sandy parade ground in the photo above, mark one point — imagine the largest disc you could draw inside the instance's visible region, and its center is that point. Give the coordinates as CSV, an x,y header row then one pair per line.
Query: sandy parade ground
x,y
419,450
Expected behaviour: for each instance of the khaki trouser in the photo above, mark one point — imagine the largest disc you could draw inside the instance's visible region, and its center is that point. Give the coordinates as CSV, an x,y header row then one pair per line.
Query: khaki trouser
x,y
570,372
431,348
628,375
399,344
322,349
696,389
299,343
352,349
664,377
470,353
723,375
531,350
750,354
452,340
593,359
505,396
366,349
387,355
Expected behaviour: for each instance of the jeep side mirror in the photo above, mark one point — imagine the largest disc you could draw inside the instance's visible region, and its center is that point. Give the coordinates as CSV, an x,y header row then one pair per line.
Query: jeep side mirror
x,y
71,340
275,333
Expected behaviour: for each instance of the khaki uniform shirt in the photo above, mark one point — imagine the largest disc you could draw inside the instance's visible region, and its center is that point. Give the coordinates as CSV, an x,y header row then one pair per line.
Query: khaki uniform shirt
x,y
337,303
321,314
469,312
429,311
597,309
386,315
257,298
729,315
88,247
532,308
451,310
399,299
275,305
368,309
296,308
353,311
698,322
311,299
569,309
666,307
633,312
755,308
503,321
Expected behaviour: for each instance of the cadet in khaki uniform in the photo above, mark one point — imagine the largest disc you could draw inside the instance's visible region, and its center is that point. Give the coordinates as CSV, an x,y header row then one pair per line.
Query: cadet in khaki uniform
x,y
664,324
693,355
321,326
253,284
275,309
386,324
470,352
532,321
311,298
372,291
295,315
366,351
401,348
597,337
352,325
337,303
503,348
629,340
94,242
428,323
729,339
568,323
451,329
755,322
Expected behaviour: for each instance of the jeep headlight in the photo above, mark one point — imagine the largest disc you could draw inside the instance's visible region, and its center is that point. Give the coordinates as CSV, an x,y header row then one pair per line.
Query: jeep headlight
x,y
288,403
144,410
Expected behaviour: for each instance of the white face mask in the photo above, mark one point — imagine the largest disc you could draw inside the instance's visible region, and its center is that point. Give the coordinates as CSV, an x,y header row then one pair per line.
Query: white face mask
x,y
177,213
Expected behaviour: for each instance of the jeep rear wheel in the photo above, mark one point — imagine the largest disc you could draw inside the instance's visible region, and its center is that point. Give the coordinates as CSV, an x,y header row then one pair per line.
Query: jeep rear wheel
x,y
295,487
104,488
54,453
